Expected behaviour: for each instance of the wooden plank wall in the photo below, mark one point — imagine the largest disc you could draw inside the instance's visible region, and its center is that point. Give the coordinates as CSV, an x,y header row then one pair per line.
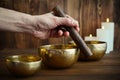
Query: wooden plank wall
x,y
116,19
89,13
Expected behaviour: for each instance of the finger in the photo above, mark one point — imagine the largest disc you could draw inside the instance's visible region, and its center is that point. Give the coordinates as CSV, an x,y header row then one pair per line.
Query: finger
x,y
66,33
68,16
68,22
77,24
60,33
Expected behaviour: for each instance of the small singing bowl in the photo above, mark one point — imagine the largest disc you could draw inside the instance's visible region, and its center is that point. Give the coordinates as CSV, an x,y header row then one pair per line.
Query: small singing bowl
x,y
98,48
23,65
59,56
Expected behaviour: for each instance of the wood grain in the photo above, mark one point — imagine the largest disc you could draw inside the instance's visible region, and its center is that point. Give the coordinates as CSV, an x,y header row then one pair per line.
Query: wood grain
x,y
108,68
89,13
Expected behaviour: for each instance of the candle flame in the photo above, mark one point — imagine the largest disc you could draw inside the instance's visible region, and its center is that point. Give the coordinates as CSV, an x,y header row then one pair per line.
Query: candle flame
x,y
90,35
107,20
103,27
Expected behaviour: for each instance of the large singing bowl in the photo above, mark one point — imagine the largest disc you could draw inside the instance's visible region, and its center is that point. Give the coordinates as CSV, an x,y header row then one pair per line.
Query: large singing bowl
x,y
59,56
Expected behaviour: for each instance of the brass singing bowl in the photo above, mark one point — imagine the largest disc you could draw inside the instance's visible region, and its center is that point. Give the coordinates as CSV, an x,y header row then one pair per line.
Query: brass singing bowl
x,y
23,65
98,48
58,56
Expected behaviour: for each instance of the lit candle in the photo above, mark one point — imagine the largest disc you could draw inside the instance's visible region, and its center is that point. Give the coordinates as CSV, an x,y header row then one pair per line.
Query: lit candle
x,y
109,26
91,38
103,35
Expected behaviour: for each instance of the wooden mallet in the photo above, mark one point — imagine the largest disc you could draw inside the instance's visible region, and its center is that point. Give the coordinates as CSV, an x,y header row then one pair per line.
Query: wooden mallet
x,y
73,33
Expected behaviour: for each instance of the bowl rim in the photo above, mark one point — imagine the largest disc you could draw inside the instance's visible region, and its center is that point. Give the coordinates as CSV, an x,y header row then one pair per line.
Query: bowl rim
x,y
9,58
91,42
95,42
69,46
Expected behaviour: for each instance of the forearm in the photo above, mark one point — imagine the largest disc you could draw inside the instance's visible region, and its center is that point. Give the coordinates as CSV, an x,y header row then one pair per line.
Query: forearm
x,y
41,26
14,21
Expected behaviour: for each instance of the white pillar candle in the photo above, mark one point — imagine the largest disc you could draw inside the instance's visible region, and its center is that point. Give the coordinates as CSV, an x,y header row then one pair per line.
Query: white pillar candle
x,y
91,38
109,26
103,35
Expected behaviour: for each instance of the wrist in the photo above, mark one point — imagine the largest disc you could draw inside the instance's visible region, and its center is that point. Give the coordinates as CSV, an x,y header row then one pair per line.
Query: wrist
x,y
27,23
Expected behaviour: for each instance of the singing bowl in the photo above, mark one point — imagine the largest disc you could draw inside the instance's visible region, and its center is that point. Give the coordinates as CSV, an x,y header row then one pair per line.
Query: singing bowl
x,y
98,48
58,56
23,65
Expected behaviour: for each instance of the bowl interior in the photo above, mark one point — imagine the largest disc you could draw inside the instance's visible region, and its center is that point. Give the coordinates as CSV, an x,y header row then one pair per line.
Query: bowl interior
x,y
23,58
95,42
63,46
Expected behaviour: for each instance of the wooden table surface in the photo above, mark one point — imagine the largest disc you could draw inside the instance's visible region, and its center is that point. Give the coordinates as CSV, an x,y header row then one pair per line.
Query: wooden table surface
x,y
108,68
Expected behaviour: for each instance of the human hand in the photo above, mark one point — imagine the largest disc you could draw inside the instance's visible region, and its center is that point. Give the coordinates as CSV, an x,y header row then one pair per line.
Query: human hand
x,y
46,24
41,26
